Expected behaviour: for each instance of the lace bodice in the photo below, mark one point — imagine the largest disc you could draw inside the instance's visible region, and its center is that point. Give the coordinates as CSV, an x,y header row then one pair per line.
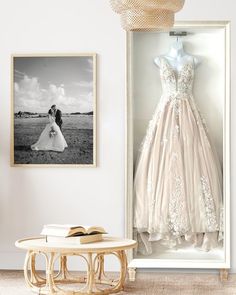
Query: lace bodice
x,y
51,119
174,83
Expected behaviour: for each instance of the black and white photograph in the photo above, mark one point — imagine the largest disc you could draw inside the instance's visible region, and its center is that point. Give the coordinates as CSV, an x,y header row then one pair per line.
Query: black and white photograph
x,y
54,110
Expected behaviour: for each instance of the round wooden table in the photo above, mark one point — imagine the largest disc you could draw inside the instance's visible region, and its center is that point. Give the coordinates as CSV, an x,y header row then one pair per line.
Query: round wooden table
x,y
95,282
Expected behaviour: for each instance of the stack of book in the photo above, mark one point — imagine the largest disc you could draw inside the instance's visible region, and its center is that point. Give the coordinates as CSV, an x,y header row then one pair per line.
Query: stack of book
x,y
72,234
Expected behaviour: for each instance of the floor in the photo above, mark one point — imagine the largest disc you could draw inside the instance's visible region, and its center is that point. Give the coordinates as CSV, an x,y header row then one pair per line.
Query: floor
x,y
12,283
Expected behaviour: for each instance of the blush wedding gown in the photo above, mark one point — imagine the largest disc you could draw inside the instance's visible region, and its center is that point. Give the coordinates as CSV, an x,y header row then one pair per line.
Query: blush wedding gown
x,y
54,143
178,178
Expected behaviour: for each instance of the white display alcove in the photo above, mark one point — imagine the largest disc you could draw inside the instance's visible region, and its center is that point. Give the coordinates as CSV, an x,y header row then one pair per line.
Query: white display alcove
x,y
210,41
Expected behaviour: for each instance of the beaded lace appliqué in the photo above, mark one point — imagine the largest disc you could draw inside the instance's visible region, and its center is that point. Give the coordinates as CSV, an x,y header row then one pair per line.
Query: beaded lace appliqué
x,y
208,203
174,90
178,223
177,86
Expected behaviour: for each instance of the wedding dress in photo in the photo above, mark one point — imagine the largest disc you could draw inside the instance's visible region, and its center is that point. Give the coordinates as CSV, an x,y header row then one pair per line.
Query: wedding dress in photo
x,y
178,178
51,139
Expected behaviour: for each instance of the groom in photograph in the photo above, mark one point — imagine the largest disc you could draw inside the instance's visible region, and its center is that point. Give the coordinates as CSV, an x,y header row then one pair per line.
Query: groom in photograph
x,y
58,114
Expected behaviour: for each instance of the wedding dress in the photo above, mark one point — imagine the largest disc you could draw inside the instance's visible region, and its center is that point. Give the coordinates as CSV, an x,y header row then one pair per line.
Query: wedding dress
x,y
178,178
51,139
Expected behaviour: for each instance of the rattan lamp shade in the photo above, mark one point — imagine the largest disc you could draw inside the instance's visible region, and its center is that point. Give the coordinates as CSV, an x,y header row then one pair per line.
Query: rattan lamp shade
x,y
146,15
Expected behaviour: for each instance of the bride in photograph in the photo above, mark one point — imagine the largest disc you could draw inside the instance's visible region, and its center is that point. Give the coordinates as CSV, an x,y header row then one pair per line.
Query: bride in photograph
x,y
51,138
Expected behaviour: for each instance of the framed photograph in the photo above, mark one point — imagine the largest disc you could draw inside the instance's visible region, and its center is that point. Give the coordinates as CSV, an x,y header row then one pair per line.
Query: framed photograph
x,y
178,109
54,110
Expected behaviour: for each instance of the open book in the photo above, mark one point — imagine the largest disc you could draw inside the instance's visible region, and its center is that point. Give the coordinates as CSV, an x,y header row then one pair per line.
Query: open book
x,y
68,230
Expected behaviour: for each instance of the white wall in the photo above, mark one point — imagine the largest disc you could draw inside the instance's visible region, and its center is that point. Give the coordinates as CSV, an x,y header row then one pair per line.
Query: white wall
x,y
31,197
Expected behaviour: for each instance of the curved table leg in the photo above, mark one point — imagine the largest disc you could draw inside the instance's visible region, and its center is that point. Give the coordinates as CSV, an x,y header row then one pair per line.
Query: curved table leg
x,y
36,283
50,285
101,277
124,265
90,274
63,267
100,272
35,278
95,274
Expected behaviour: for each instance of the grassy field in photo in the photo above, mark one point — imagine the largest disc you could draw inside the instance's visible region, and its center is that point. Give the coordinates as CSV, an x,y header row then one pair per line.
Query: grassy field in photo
x,y
78,133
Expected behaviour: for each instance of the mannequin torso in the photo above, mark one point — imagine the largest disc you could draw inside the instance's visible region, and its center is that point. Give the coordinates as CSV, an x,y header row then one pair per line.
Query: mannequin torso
x,y
177,57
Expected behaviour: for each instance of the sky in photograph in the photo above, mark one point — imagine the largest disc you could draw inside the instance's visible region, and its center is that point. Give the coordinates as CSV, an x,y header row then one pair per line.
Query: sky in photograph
x,y
40,82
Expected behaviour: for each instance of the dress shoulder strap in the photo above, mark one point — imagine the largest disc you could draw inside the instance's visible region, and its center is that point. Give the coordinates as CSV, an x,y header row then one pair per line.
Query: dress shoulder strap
x,y
163,61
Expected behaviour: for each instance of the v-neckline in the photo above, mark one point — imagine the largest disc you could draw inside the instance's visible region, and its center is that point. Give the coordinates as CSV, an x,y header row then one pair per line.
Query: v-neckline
x,y
176,72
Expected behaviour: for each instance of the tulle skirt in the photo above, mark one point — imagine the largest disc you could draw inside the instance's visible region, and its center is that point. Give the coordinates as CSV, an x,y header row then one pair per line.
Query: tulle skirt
x,y
51,139
178,180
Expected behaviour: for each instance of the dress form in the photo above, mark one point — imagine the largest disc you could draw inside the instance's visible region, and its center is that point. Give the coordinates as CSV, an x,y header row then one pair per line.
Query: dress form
x,y
177,57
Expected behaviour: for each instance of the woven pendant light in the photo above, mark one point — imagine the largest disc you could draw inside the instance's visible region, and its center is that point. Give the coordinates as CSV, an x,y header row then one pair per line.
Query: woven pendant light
x,y
147,15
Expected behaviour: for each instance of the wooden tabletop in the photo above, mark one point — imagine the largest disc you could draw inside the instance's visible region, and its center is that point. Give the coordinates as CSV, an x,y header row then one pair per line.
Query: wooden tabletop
x,y
107,244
